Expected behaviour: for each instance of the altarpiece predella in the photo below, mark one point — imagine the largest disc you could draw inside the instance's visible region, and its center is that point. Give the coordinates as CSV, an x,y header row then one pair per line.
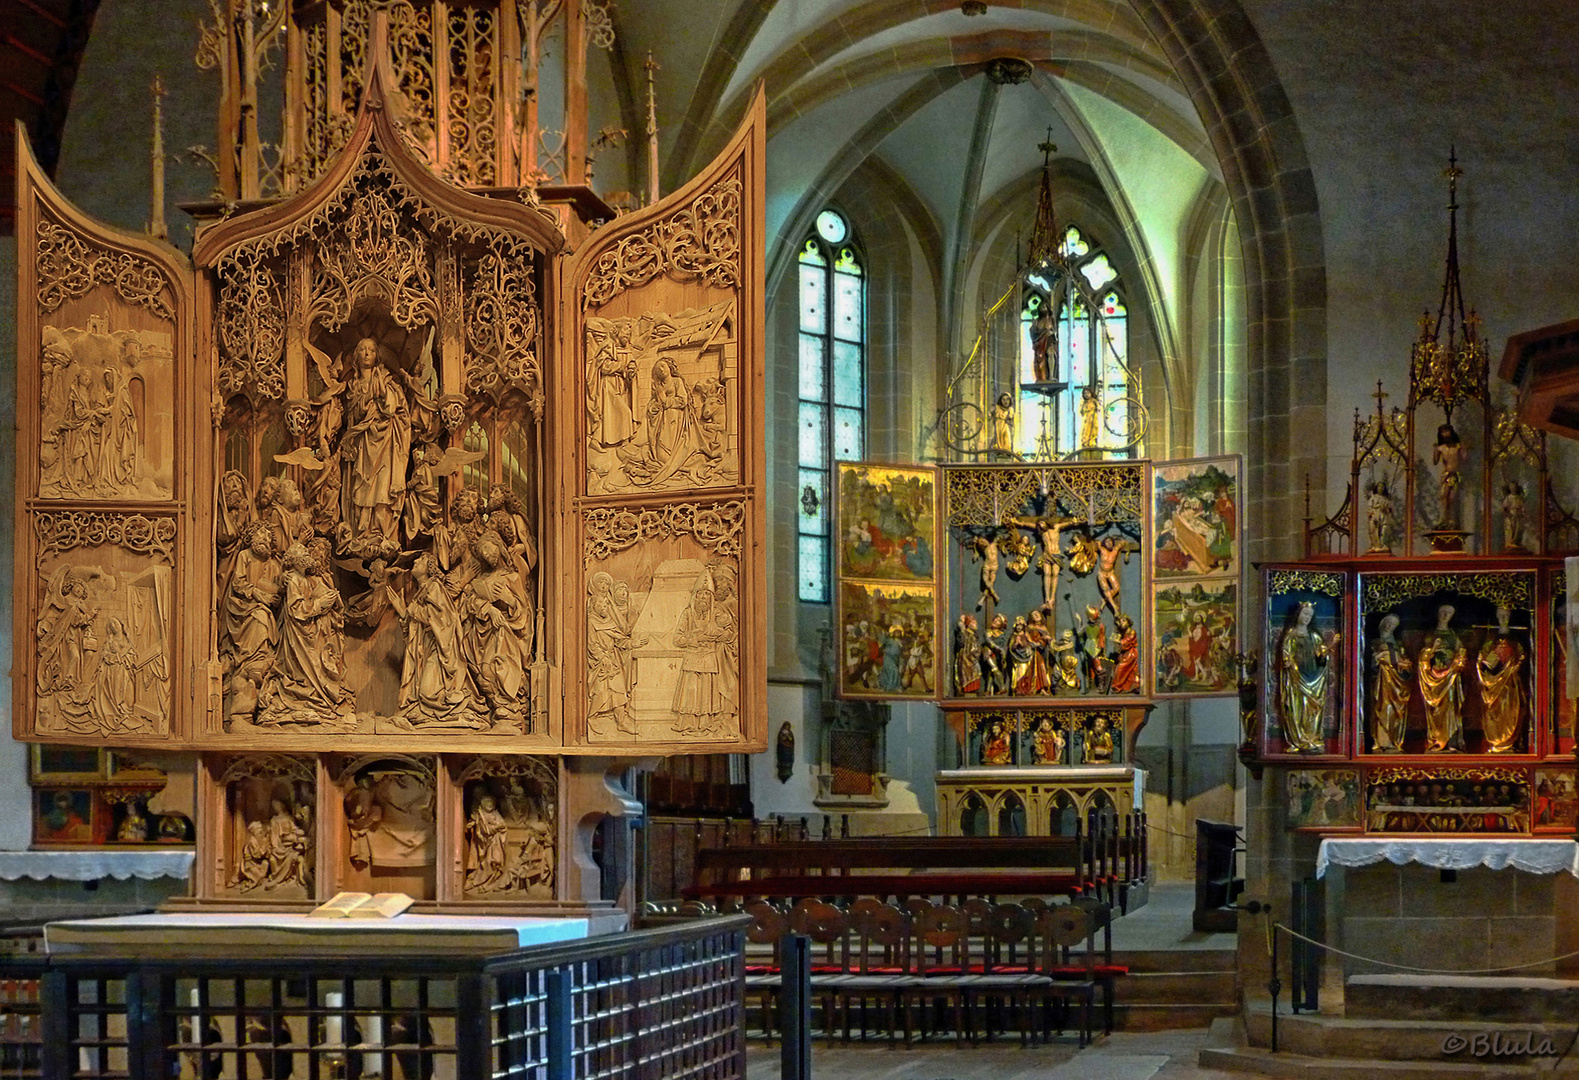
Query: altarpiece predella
x,y
387,499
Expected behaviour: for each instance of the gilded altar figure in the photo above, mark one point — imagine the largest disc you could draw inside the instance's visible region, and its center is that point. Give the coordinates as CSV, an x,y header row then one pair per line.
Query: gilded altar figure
x,y
307,682
1044,344
1304,669
1110,548
1049,557
499,629
1048,742
377,446
1380,517
985,550
1090,419
1093,648
436,686
1028,655
1501,666
967,657
1099,746
1066,663
995,673
1389,698
486,861
1441,673
1448,456
1126,665
995,746
1001,416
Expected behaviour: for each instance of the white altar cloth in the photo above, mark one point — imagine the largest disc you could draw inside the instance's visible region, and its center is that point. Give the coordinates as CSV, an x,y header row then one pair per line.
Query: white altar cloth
x,y
1457,853
95,865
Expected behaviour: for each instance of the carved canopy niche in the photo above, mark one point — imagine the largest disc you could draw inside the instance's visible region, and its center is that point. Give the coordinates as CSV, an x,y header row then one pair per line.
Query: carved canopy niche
x,y
443,487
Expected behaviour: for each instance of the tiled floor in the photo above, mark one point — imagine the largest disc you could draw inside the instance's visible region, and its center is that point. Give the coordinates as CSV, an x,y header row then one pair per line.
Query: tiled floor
x,y
1165,1055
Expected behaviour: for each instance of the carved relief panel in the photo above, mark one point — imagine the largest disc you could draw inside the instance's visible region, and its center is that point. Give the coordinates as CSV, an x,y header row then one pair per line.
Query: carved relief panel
x,y
265,809
510,827
662,325
384,827
101,422
378,510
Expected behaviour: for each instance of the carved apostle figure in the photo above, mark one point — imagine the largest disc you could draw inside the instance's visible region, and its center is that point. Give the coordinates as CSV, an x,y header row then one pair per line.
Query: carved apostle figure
x,y
1390,669
1441,673
454,543
498,630
967,657
234,519
435,683
248,629
1126,665
376,444
307,683
1501,666
1304,668
485,850
1099,745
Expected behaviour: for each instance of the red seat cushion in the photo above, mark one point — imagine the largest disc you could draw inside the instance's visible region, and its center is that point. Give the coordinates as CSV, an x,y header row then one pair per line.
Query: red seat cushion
x,y
1112,969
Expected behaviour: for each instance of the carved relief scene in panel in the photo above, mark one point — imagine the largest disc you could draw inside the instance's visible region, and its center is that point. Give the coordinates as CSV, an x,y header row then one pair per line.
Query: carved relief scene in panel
x,y
388,840
103,627
378,521
270,807
662,399
663,629
511,810
107,404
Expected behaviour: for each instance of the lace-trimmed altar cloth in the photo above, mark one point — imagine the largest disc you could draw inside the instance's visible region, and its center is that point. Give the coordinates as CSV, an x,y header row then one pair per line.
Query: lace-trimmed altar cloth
x,y
1458,853
95,865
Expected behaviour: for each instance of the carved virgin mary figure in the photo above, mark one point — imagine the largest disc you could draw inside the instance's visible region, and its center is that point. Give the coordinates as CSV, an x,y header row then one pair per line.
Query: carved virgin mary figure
x,y
248,630
1390,669
1501,664
377,444
435,685
668,441
1441,674
1304,666
307,683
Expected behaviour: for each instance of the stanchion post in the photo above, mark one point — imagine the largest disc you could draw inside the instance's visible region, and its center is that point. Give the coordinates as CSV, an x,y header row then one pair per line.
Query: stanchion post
x,y
795,1007
561,1048
1273,984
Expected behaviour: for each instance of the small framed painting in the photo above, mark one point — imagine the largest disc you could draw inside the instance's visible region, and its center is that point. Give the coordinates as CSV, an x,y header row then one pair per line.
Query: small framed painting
x,y
1197,635
65,816
52,764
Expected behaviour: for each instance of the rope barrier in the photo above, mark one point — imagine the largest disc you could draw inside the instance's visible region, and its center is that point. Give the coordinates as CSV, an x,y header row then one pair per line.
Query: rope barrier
x,y
1422,970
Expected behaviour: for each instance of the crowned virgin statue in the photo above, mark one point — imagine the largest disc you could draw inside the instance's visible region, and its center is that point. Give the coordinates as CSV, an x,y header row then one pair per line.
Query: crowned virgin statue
x,y
1304,666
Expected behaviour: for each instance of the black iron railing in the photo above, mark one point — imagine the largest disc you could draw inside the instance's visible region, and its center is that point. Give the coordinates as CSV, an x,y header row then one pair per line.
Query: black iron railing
x,y
647,1005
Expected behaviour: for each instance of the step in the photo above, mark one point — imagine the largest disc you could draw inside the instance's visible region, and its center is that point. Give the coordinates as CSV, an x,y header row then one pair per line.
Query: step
x,y
1449,997
1168,1016
1175,987
1437,1042
1225,1049
1176,960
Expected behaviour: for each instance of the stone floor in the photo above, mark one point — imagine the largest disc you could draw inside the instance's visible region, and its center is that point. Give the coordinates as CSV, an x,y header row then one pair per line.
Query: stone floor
x,y
1164,1055
1166,923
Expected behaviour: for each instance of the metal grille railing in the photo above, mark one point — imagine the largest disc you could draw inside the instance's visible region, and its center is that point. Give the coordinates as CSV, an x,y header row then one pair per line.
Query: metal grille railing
x,y
654,1004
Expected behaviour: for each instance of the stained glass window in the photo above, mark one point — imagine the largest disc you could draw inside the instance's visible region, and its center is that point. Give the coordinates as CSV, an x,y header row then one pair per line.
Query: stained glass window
x,y
1090,343
832,410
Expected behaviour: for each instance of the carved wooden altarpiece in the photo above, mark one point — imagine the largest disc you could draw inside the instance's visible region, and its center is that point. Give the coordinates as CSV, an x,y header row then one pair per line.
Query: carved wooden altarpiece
x,y
453,494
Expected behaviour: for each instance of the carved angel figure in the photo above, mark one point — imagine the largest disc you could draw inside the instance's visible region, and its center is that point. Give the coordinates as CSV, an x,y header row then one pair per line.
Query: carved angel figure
x,y
307,682
65,633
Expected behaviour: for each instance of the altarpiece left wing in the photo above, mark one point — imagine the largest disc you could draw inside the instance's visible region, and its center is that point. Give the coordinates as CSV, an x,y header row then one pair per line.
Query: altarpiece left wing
x,y
104,414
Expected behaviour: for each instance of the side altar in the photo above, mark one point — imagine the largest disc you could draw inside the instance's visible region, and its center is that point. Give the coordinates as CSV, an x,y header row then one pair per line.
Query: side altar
x,y
1416,669
422,500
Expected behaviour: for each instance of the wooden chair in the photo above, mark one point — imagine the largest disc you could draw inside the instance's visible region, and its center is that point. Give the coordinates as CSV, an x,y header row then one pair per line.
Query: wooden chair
x,y
1008,970
877,963
941,965
1103,969
825,925
1062,928
764,975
